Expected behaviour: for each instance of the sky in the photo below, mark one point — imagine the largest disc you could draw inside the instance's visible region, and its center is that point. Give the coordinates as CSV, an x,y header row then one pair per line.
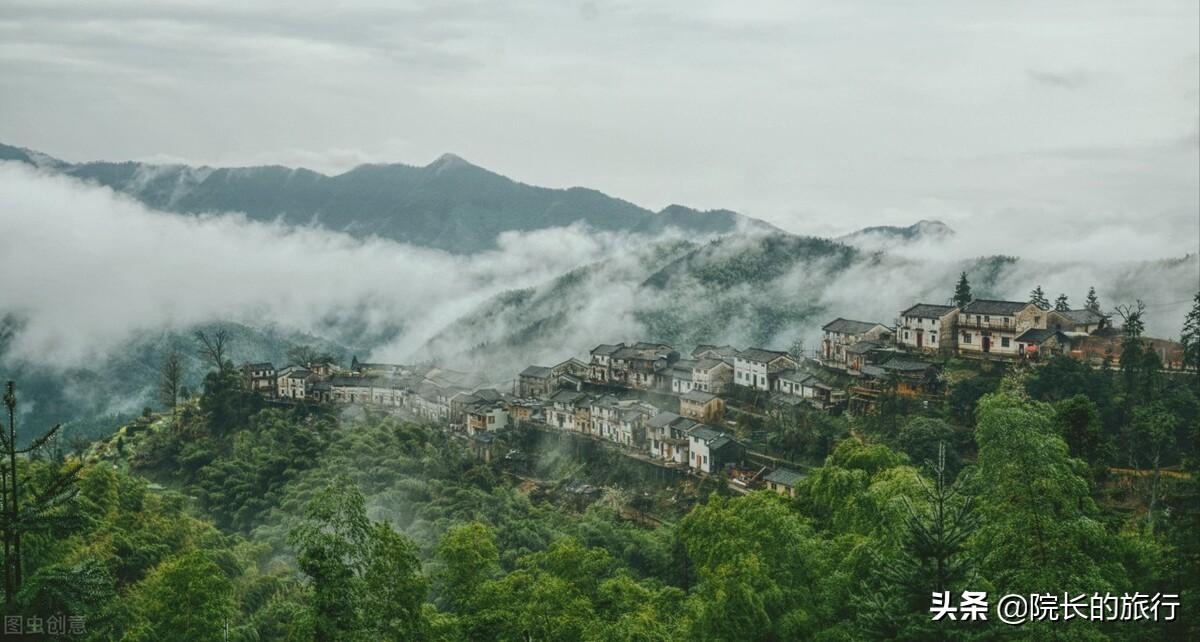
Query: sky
x,y
818,117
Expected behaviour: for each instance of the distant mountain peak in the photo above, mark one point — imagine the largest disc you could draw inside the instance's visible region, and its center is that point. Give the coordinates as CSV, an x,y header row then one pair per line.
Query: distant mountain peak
x,y
884,237
448,161
449,204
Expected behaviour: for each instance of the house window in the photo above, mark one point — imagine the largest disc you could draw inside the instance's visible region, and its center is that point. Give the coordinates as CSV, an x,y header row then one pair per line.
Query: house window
x,y
1004,342
966,337
987,319
706,460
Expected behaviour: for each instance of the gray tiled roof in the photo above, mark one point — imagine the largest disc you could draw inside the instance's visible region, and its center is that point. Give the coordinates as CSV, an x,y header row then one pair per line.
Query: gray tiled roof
x,y
699,396
927,311
704,365
536,372
1084,316
1036,335
863,347
758,354
705,433
607,348
784,477
849,326
989,306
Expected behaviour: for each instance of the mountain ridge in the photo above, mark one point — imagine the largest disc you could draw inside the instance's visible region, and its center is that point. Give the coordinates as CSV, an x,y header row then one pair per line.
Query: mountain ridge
x,y
450,204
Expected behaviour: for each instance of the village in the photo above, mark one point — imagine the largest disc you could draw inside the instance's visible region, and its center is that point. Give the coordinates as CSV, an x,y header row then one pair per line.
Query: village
x,y
651,402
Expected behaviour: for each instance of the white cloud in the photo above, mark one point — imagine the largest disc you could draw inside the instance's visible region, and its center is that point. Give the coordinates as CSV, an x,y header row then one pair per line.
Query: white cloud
x,y
88,268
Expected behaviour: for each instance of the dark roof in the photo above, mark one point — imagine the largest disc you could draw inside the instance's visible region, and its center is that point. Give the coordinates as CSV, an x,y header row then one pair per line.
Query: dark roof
x,y
1083,317
662,419
537,372
849,326
259,366
863,347
873,371
607,348
905,365
490,394
724,351
1037,335
989,306
794,375
720,442
784,477
299,373
699,396
708,364
928,311
758,354
567,396
631,415
705,433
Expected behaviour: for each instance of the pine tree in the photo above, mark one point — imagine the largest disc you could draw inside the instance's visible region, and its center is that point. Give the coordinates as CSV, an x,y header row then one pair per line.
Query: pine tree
x,y
23,512
1038,298
1191,337
962,292
1061,304
932,558
1093,302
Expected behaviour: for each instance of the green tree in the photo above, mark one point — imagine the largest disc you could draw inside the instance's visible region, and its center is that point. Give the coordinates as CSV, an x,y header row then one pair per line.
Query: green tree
x,y
1154,427
1039,525
185,598
932,557
962,291
331,544
1078,421
1092,302
1061,303
1191,338
1038,297
469,557
365,577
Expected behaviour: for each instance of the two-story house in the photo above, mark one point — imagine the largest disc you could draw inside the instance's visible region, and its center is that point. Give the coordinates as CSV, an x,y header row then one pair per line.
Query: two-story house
x,y
990,328
259,378
712,375
702,406
599,367
840,334
666,437
710,449
536,381
927,327
755,368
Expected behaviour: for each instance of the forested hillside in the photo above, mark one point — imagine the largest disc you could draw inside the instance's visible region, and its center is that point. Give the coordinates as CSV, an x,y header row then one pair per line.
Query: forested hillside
x,y
231,517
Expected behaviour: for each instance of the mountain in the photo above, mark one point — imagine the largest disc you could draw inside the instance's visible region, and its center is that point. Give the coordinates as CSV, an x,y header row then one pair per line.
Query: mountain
x,y
885,237
449,204
767,291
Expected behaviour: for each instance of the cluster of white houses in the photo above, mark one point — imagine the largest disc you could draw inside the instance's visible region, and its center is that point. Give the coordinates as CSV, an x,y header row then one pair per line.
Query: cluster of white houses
x,y
685,431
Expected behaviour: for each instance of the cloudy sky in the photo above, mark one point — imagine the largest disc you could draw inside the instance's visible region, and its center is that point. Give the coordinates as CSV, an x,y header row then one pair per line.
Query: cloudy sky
x,y
819,117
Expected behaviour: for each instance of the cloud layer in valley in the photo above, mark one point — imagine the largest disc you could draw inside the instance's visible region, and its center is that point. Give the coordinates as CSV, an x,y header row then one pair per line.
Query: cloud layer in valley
x,y
88,268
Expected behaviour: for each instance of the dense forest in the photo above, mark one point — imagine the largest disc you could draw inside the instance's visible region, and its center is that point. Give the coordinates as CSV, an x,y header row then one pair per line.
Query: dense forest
x,y
226,517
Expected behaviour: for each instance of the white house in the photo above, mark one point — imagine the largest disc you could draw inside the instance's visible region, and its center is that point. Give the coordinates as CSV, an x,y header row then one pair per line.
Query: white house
x,y
709,449
712,375
294,383
842,333
927,327
755,368
987,327
561,413
666,436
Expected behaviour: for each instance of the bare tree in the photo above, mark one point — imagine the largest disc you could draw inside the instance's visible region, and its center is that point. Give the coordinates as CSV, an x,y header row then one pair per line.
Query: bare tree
x,y
25,511
213,346
171,380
